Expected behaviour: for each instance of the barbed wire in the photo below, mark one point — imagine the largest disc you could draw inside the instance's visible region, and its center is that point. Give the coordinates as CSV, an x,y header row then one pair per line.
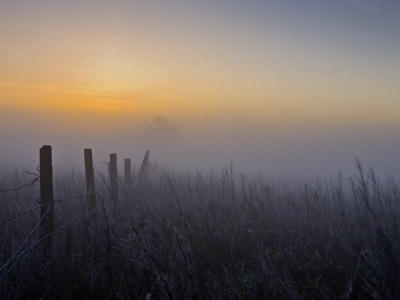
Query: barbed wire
x,y
57,200
19,249
13,260
33,209
21,214
16,189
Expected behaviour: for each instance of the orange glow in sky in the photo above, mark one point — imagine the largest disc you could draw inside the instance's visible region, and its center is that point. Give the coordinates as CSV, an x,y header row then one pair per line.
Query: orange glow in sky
x,y
301,83
193,63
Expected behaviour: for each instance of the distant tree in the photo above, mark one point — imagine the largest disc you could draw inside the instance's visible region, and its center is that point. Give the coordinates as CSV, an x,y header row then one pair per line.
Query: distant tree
x,y
161,128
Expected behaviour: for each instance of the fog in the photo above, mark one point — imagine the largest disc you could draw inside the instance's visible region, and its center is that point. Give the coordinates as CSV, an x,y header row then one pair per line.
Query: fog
x,y
272,87
271,149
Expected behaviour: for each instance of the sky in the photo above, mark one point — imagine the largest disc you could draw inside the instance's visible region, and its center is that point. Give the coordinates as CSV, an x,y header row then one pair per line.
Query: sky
x,y
281,87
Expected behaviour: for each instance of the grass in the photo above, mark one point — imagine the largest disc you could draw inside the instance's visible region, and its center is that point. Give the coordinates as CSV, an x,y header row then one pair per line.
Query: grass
x,y
205,236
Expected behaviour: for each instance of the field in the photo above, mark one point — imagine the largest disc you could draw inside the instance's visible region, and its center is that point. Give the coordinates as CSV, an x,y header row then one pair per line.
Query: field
x,y
217,235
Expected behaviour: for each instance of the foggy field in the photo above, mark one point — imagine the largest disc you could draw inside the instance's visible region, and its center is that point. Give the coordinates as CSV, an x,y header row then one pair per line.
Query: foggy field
x,y
254,112
215,235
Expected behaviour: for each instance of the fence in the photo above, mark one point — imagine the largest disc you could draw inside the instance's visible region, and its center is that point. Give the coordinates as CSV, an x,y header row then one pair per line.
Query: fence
x,y
47,202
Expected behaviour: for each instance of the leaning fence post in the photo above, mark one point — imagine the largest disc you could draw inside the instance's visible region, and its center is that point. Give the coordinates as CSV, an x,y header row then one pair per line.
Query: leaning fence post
x,y
145,161
143,169
46,199
114,177
89,173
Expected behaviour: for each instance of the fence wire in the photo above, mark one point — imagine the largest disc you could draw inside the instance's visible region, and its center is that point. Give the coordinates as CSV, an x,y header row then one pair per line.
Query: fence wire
x,y
36,208
14,259
25,185
22,214
31,210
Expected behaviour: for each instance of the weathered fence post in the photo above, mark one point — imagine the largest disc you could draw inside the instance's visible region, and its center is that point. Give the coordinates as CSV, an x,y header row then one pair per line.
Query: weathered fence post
x,y
114,177
46,199
143,170
128,172
145,162
89,173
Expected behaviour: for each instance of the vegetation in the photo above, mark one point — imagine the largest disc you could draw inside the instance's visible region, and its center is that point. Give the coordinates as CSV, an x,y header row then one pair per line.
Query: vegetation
x,y
205,236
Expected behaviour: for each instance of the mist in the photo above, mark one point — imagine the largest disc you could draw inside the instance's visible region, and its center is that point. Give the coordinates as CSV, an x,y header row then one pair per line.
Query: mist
x,y
274,88
273,131
269,149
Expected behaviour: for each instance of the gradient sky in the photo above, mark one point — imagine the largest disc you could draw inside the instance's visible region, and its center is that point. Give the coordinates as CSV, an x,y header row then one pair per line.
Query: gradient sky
x,y
280,77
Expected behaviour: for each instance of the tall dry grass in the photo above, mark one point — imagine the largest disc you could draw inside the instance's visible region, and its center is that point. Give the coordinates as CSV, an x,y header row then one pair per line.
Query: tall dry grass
x,y
206,236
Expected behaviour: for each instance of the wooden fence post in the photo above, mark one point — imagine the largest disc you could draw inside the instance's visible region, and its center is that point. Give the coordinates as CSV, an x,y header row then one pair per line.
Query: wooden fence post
x,y
128,172
89,173
143,170
114,177
145,162
46,199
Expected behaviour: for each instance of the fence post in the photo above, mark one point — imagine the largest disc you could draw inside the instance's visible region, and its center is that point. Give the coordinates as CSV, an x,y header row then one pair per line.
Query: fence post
x,y
46,199
114,177
144,163
143,169
89,173
128,172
